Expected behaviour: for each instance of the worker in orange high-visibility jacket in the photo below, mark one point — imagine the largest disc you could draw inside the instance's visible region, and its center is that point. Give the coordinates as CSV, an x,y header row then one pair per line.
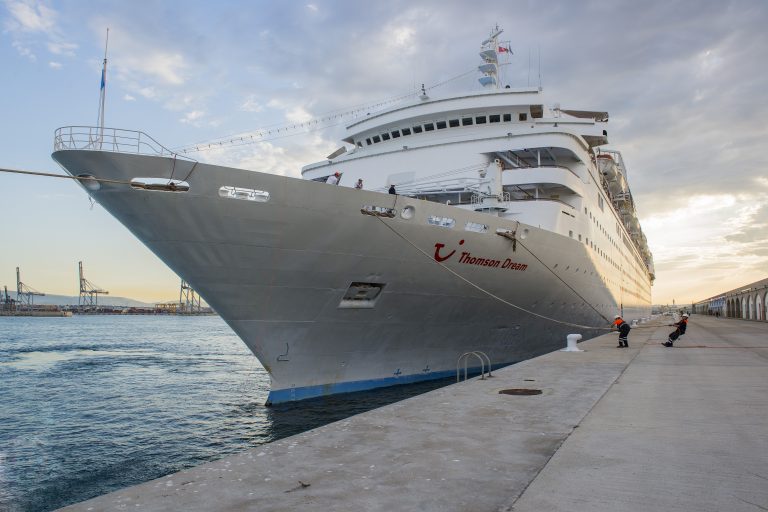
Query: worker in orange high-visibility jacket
x,y
623,328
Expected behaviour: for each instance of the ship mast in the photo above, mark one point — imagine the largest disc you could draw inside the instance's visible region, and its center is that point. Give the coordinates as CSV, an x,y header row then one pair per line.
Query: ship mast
x,y
103,93
490,50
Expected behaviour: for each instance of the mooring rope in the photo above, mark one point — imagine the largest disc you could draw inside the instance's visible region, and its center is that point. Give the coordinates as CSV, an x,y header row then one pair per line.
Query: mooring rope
x,y
563,281
78,178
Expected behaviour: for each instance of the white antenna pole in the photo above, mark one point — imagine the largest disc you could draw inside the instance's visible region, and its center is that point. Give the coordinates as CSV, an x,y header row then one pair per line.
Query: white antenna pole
x,y
103,92
529,66
539,67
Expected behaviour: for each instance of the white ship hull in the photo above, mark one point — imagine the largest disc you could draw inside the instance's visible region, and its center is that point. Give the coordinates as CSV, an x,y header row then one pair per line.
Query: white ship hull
x,y
277,271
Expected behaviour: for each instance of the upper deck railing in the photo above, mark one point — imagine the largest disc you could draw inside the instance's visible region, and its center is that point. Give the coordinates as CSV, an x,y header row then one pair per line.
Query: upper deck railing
x,y
117,140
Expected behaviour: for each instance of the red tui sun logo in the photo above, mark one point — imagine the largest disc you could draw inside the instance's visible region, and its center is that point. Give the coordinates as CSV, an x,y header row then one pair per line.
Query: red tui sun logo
x,y
439,257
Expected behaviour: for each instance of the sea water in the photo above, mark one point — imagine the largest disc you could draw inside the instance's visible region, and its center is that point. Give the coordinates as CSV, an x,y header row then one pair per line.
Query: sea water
x,y
92,404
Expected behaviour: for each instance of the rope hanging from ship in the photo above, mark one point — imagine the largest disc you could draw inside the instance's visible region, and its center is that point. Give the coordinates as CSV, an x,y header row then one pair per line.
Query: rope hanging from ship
x,y
279,131
494,296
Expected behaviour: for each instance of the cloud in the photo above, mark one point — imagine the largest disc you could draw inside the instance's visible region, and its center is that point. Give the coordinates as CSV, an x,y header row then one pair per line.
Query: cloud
x,y
54,65
286,159
30,16
31,20
24,51
128,97
148,92
62,48
312,7
193,117
708,235
251,105
164,68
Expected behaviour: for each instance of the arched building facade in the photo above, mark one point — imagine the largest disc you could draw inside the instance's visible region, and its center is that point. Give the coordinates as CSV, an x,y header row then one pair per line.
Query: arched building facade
x,y
749,302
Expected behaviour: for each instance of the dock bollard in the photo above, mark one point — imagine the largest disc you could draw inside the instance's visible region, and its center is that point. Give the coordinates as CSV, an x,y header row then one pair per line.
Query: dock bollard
x,y
571,343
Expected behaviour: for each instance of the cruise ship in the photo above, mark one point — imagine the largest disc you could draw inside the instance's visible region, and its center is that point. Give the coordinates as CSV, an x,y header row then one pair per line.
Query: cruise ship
x,y
488,222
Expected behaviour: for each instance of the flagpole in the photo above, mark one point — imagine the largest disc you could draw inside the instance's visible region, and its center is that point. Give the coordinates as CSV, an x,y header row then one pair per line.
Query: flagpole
x,y
103,92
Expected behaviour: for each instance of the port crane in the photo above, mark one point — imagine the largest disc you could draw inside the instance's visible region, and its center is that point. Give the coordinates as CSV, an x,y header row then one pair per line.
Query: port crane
x,y
189,300
8,304
25,295
89,292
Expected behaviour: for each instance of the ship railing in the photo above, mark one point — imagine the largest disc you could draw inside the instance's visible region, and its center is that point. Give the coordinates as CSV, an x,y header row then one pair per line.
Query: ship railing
x,y
544,165
432,187
116,140
464,358
479,197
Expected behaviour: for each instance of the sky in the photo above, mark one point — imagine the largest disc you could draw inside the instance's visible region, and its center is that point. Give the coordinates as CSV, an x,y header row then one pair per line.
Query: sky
x,y
685,83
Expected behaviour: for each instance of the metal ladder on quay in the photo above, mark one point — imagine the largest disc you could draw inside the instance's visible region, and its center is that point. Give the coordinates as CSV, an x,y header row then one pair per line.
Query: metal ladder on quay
x,y
481,356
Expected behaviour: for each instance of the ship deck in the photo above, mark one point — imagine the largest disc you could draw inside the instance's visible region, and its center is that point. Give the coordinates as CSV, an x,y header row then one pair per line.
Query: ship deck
x,y
644,428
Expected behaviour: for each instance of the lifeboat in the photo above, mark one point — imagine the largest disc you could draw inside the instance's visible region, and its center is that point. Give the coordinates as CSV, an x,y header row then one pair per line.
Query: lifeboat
x,y
617,185
607,166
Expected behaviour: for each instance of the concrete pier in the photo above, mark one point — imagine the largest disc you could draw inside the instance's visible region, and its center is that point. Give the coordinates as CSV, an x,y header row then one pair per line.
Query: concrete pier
x,y
644,428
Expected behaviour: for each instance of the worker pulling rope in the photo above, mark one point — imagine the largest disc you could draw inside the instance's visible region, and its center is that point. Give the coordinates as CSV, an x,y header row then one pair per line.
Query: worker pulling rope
x,y
483,290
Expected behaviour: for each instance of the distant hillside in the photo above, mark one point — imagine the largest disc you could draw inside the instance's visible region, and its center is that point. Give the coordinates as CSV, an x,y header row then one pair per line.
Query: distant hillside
x,y
71,300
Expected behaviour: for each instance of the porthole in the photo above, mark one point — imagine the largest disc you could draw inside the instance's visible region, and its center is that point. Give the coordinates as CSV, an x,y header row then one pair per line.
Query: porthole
x,y
160,184
476,227
524,234
244,194
443,222
408,212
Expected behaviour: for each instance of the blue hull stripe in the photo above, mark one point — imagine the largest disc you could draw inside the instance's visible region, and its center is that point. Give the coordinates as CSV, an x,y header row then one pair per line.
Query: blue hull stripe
x,y
293,394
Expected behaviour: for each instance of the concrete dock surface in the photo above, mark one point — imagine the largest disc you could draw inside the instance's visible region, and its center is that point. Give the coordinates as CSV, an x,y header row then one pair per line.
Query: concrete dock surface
x,y
646,428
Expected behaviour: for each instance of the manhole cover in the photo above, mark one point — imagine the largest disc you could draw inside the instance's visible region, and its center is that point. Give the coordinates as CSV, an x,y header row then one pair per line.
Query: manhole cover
x,y
520,392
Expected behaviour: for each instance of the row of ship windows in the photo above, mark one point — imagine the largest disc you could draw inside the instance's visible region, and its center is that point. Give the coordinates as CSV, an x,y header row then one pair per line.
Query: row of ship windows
x,y
441,125
610,239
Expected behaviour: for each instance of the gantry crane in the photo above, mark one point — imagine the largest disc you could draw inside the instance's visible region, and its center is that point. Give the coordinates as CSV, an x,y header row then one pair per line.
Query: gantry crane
x,y
89,292
25,295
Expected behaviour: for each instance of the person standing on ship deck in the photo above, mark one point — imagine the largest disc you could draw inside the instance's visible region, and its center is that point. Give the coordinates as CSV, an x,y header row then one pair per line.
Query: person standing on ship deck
x,y
392,190
334,178
623,328
359,184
